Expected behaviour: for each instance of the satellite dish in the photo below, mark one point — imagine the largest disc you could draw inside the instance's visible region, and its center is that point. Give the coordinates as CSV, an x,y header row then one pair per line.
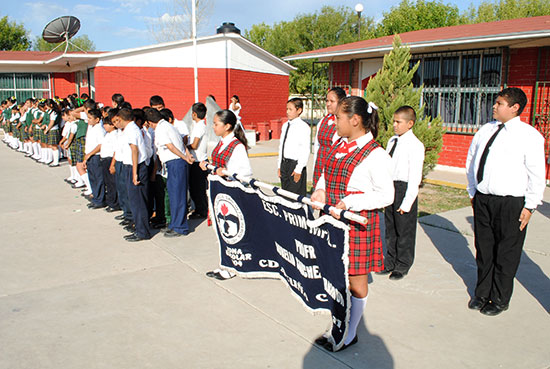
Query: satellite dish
x,y
61,29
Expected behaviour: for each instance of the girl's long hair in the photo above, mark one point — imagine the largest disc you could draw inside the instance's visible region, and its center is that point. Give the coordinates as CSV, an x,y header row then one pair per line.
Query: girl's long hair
x,y
228,117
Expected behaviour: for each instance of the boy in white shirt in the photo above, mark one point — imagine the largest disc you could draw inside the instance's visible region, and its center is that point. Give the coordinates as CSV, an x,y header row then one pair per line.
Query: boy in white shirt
x,y
198,177
294,149
407,158
106,154
94,137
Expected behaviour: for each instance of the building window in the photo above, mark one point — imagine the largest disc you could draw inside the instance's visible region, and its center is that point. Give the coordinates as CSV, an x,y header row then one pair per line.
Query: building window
x,y
461,87
24,86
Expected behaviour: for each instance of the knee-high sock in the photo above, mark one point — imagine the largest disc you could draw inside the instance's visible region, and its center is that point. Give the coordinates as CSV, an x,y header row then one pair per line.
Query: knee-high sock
x,y
357,307
55,158
86,180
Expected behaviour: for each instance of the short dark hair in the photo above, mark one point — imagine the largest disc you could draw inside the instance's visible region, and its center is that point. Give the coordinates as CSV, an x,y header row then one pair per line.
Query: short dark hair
x,y
139,116
156,100
199,109
125,105
125,114
513,96
407,112
96,113
153,115
165,113
118,98
89,104
297,102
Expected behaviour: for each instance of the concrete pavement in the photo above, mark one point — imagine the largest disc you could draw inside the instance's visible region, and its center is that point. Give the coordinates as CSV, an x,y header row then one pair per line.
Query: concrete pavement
x,y
74,294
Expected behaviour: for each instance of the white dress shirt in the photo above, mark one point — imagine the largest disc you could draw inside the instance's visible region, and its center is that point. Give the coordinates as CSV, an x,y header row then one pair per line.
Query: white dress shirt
x,y
181,127
120,145
135,136
53,117
165,134
67,129
514,166
297,143
149,137
94,137
199,131
372,177
238,162
108,145
407,163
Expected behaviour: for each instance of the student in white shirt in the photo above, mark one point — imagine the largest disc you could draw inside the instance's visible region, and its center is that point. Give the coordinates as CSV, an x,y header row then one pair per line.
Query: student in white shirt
x,y
506,182
134,158
126,217
107,152
294,149
172,153
407,153
197,177
92,160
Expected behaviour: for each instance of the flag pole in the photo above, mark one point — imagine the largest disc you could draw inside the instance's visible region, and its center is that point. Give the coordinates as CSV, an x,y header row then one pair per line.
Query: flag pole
x,y
194,35
291,195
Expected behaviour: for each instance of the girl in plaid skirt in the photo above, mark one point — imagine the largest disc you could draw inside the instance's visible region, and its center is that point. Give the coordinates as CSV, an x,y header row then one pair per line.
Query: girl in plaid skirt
x,y
357,177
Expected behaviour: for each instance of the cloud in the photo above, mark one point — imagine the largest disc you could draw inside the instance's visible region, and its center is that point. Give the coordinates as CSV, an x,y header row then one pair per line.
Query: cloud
x,y
130,32
87,9
165,19
38,14
136,6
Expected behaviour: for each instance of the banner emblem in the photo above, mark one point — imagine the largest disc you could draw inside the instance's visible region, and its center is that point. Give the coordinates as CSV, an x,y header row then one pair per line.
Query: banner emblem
x,y
229,218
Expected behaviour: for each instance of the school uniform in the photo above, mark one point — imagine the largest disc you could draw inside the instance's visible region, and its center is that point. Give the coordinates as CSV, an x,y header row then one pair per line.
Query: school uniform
x,y
79,142
94,137
149,137
177,176
53,136
294,154
108,146
407,158
120,175
181,127
198,181
231,154
359,174
137,194
502,181
325,138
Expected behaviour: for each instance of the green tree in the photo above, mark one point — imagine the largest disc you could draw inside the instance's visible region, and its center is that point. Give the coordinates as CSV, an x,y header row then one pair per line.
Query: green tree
x,y
83,42
328,27
392,88
507,9
412,16
13,36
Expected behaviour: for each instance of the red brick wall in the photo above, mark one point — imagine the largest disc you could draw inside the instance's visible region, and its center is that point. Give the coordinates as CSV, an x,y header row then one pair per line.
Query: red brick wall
x,y
522,73
340,73
455,150
263,96
63,84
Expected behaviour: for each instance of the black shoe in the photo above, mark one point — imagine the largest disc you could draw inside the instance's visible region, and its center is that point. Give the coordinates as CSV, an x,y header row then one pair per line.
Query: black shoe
x,y
134,238
395,276
158,225
196,215
328,346
111,210
477,303
125,222
88,197
171,233
384,272
120,217
96,206
130,228
493,308
216,274
321,341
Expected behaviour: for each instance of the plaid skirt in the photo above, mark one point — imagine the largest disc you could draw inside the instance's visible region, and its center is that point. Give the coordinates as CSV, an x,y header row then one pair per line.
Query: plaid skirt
x,y
365,245
16,132
24,134
77,154
53,137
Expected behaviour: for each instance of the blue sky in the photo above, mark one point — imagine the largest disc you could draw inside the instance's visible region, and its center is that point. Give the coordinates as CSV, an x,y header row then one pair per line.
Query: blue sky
x,y
121,24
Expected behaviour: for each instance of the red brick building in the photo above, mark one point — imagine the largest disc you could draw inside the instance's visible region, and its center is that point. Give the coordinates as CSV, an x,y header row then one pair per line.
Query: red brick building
x,y
462,68
228,64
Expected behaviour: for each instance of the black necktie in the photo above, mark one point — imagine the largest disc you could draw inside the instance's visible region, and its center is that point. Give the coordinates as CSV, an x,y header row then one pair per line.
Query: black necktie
x,y
486,153
284,140
393,147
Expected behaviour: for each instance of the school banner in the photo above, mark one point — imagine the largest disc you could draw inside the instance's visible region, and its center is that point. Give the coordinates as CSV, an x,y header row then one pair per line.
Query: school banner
x,y
269,236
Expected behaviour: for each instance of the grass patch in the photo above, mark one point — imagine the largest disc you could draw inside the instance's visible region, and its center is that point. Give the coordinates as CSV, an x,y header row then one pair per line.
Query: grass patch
x,y
433,199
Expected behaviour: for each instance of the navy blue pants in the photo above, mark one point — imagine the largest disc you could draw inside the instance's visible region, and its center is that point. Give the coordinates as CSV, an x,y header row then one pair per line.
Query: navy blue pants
x,y
137,198
95,174
122,189
110,185
197,188
176,185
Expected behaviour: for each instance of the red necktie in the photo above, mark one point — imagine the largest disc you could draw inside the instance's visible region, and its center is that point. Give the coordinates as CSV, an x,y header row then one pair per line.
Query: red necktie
x,y
346,148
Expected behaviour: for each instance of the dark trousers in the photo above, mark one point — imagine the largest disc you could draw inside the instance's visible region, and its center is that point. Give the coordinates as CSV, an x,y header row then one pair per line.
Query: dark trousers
x,y
137,199
176,186
159,192
197,188
499,244
287,180
150,189
400,232
111,197
95,174
122,189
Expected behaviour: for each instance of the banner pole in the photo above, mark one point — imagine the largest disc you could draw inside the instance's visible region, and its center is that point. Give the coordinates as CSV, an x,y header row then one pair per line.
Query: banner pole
x,y
291,195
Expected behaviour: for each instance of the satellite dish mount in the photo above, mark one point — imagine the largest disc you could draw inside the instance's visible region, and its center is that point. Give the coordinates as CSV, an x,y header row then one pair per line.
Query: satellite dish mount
x,y
61,30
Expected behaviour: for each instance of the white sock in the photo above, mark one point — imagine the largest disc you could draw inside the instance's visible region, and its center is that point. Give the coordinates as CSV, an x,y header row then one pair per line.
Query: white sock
x,y
79,179
356,312
19,145
55,158
74,173
49,155
86,180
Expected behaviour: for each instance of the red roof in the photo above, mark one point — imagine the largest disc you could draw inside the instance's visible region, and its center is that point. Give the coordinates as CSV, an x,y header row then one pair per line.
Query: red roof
x,y
35,55
467,31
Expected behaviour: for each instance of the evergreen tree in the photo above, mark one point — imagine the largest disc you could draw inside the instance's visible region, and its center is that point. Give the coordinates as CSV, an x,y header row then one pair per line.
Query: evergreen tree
x,y
392,88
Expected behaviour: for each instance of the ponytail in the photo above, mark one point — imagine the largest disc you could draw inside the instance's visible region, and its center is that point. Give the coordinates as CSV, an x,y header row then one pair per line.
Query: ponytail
x,y
353,105
228,117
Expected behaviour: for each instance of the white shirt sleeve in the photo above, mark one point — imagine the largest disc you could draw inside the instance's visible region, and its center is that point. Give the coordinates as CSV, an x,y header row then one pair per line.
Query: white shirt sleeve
x,y
416,164
239,163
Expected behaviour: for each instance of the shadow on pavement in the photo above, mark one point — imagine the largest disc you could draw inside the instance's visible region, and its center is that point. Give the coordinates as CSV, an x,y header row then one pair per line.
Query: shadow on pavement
x,y
544,209
533,279
369,352
453,247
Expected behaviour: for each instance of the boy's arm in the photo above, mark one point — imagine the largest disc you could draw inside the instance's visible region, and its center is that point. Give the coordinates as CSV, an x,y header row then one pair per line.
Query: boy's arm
x,y
195,144
112,169
96,150
416,163
177,152
69,140
303,150
135,158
